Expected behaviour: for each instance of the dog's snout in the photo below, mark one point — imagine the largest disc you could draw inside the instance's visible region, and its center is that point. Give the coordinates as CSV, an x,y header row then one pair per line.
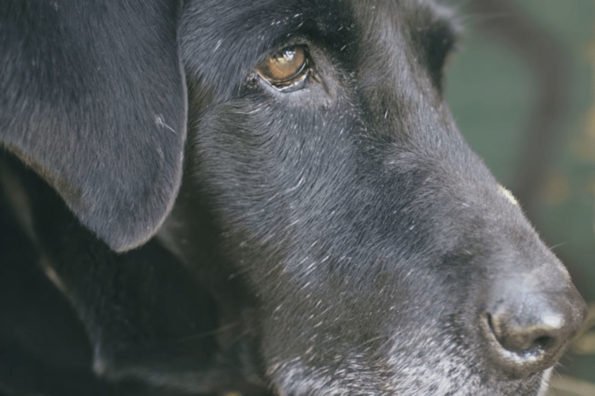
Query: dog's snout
x,y
527,329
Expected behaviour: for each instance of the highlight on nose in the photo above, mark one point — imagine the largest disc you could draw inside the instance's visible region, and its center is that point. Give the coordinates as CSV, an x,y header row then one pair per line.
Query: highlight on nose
x,y
526,331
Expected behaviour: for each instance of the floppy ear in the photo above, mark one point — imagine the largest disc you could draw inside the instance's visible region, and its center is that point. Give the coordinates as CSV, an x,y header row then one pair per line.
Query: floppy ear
x,y
92,97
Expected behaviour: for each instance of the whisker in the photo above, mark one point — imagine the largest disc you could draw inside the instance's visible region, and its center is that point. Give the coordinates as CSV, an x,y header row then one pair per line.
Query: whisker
x,y
557,245
218,330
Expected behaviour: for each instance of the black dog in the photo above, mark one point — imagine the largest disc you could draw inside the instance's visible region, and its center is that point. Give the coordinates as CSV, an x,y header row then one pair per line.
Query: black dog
x,y
341,237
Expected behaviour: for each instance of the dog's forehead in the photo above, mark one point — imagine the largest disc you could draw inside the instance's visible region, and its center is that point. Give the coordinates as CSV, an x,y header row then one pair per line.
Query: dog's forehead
x,y
271,20
229,39
414,13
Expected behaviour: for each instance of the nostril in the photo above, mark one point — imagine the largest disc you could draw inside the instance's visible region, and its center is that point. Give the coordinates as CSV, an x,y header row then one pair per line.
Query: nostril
x,y
544,342
522,342
526,327
522,338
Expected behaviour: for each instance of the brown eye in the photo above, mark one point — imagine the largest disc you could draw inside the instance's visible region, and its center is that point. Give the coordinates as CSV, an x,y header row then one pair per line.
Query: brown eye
x,y
285,68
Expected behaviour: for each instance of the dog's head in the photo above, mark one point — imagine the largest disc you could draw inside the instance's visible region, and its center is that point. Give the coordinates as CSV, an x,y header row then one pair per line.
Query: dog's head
x,y
323,168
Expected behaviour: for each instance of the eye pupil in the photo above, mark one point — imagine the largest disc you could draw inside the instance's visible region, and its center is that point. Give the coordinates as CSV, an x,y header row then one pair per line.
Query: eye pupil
x,y
285,67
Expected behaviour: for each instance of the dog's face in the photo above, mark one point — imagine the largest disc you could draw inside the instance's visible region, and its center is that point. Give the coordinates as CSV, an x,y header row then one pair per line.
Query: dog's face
x,y
331,183
383,253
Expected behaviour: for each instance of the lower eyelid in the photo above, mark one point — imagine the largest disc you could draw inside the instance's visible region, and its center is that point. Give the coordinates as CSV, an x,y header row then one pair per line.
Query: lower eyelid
x,y
298,84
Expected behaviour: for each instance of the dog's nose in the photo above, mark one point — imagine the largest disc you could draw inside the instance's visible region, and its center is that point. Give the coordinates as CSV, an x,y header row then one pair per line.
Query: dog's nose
x,y
527,330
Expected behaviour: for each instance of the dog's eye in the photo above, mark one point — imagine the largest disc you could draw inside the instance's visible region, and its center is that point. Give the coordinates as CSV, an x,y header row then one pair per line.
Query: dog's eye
x,y
285,69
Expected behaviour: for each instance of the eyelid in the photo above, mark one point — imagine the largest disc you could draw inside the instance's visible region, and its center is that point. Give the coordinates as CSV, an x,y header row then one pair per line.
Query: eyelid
x,y
294,86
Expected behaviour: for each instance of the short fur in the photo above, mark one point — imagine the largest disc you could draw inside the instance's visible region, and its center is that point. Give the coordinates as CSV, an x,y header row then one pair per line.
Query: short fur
x,y
338,239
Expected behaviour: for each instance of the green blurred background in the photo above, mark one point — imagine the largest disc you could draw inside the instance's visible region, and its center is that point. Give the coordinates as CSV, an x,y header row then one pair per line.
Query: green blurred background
x,y
522,89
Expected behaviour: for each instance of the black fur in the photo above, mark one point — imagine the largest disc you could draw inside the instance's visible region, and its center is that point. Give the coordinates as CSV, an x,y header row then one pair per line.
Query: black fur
x,y
93,99
337,239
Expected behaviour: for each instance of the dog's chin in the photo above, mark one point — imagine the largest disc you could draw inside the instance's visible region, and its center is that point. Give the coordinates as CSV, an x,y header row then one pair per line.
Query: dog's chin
x,y
296,378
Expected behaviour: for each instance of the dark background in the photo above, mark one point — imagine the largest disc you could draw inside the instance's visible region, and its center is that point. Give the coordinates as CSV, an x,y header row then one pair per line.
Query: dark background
x,y
522,89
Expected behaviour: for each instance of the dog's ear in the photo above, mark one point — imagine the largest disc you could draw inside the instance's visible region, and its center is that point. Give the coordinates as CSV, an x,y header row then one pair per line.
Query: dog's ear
x,y
92,97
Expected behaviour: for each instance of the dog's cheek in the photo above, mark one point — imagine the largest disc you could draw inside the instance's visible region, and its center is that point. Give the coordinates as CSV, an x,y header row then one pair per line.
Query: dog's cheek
x,y
262,161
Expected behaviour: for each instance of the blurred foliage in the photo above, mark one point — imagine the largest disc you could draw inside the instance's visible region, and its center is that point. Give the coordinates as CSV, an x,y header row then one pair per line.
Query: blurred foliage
x,y
492,91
